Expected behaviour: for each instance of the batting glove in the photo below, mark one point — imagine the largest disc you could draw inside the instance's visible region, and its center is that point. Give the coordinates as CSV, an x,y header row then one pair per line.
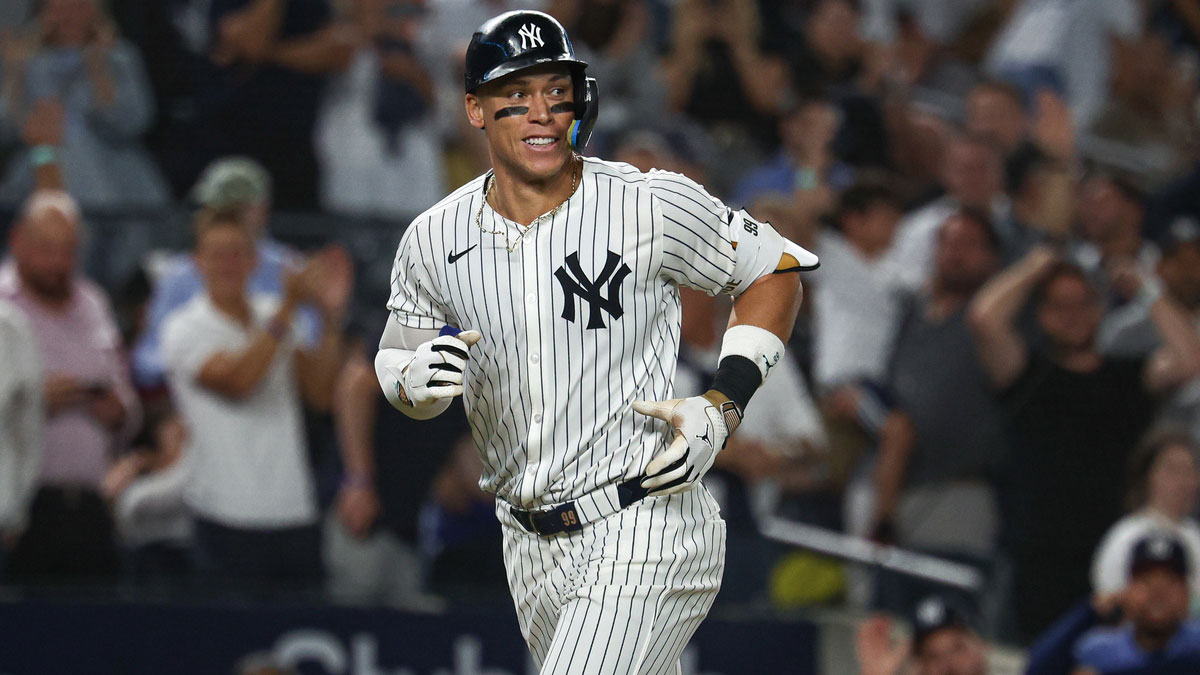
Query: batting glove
x,y
436,369
700,433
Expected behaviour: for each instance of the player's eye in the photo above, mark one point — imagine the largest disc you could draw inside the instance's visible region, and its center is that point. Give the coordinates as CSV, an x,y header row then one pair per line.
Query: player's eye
x,y
517,95
558,92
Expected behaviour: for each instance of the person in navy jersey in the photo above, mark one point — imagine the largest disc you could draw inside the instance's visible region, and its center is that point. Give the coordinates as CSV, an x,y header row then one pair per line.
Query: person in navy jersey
x,y
1158,636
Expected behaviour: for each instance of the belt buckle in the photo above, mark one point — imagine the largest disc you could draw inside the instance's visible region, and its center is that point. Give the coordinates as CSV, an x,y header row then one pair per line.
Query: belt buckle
x,y
533,527
526,519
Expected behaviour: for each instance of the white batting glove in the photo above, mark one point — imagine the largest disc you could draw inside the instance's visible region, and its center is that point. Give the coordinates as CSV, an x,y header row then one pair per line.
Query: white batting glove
x,y
700,433
436,369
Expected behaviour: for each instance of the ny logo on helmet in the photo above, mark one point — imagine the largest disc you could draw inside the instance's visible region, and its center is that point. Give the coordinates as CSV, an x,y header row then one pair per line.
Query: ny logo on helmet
x,y
531,36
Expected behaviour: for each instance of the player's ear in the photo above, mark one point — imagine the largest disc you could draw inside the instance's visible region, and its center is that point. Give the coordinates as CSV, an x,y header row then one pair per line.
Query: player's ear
x,y
474,111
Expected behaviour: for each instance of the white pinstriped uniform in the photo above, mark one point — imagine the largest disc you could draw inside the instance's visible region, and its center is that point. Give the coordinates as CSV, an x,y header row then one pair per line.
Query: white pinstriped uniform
x,y
548,393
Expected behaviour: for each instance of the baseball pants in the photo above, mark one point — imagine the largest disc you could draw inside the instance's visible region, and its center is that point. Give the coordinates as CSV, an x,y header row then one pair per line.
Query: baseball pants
x,y
622,595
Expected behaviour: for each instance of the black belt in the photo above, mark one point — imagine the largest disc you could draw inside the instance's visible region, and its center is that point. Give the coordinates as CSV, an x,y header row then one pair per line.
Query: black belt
x,y
565,517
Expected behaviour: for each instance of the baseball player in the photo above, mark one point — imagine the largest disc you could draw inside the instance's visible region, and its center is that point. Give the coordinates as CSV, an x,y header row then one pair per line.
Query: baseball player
x,y
564,274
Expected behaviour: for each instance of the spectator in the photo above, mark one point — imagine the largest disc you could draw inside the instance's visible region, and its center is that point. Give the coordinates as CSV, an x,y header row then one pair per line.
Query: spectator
x,y
388,464
1066,45
943,643
935,476
146,489
717,74
823,50
1111,212
89,404
615,39
271,58
806,162
972,173
20,424
79,71
1147,126
1074,416
460,538
857,291
376,131
1157,636
230,183
237,373
1162,497
1129,330
996,112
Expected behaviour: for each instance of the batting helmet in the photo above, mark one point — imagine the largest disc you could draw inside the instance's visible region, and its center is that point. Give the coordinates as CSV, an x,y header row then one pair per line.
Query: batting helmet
x,y
517,40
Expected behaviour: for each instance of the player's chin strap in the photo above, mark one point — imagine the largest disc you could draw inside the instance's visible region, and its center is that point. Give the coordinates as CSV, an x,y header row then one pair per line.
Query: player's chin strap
x,y
748,353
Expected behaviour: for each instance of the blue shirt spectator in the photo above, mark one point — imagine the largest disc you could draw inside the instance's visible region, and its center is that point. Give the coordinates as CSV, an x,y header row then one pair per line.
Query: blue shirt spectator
x,y
181,281
236,183
1115,649
79,77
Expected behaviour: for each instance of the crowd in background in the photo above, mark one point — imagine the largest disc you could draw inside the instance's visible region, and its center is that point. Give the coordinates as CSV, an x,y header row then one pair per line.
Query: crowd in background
x,y
997,362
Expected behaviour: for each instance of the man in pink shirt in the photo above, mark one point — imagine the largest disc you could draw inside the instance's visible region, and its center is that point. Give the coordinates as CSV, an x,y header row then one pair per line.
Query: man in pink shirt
x,y
90,405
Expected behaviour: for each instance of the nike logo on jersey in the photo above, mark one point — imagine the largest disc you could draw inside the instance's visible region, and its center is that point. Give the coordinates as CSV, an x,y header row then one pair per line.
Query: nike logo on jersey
x,y
453,257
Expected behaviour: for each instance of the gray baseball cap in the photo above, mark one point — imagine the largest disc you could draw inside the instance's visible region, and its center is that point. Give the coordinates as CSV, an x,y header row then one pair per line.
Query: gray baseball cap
x,y
232,181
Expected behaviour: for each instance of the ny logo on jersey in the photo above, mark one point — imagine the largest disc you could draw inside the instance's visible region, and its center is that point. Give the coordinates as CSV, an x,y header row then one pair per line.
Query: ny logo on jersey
x,y
575,282
531,36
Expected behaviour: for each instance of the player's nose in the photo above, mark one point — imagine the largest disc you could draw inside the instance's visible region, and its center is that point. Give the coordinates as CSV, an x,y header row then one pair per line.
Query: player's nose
x,y
539,110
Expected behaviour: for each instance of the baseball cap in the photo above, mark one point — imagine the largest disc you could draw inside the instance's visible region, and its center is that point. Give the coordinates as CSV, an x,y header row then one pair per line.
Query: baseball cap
x,y
1160,549
232,181
934,613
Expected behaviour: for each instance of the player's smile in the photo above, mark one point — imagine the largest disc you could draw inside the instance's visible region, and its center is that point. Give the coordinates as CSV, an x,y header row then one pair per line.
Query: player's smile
x,y
542,143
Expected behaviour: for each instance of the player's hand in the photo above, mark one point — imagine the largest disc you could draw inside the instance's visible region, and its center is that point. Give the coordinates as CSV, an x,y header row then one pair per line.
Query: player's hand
x,y
436,369
700,433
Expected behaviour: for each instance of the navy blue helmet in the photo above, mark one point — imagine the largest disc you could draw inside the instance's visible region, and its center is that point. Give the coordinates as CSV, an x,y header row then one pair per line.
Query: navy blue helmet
x,y
518,40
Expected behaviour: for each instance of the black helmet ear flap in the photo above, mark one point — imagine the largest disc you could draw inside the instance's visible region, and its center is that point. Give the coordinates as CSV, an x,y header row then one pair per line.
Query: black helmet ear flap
x,y
587,107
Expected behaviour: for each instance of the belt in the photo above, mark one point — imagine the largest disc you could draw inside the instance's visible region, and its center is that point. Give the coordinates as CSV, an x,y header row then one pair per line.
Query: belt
x,y
573,515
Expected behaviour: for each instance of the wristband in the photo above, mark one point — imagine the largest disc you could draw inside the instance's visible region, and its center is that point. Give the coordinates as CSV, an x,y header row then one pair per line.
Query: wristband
x,y
41,155
737,379
758,345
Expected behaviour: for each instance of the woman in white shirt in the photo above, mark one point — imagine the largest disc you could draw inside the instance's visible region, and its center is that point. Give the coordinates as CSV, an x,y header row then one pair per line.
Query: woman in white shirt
x,y
1162,496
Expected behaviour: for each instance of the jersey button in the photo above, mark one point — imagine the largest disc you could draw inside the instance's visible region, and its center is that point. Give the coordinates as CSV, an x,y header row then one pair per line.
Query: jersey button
x,y
534,358
531,298
537,418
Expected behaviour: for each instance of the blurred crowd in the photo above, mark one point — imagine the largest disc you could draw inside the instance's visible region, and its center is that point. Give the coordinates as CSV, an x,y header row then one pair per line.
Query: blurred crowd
x,y
997,363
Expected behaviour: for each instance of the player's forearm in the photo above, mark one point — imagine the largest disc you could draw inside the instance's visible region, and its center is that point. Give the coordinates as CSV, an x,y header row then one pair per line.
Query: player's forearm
x,y
771,303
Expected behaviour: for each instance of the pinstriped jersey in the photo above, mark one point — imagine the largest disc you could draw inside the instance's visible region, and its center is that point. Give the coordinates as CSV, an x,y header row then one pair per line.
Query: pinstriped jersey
x,y
580,320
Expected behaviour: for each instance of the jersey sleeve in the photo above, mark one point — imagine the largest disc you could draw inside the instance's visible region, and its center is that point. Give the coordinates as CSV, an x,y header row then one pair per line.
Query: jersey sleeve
x,y
414,302
711,247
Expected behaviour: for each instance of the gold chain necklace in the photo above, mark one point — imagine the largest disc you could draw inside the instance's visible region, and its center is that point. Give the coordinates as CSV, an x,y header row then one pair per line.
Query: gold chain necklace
x,y
575,172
